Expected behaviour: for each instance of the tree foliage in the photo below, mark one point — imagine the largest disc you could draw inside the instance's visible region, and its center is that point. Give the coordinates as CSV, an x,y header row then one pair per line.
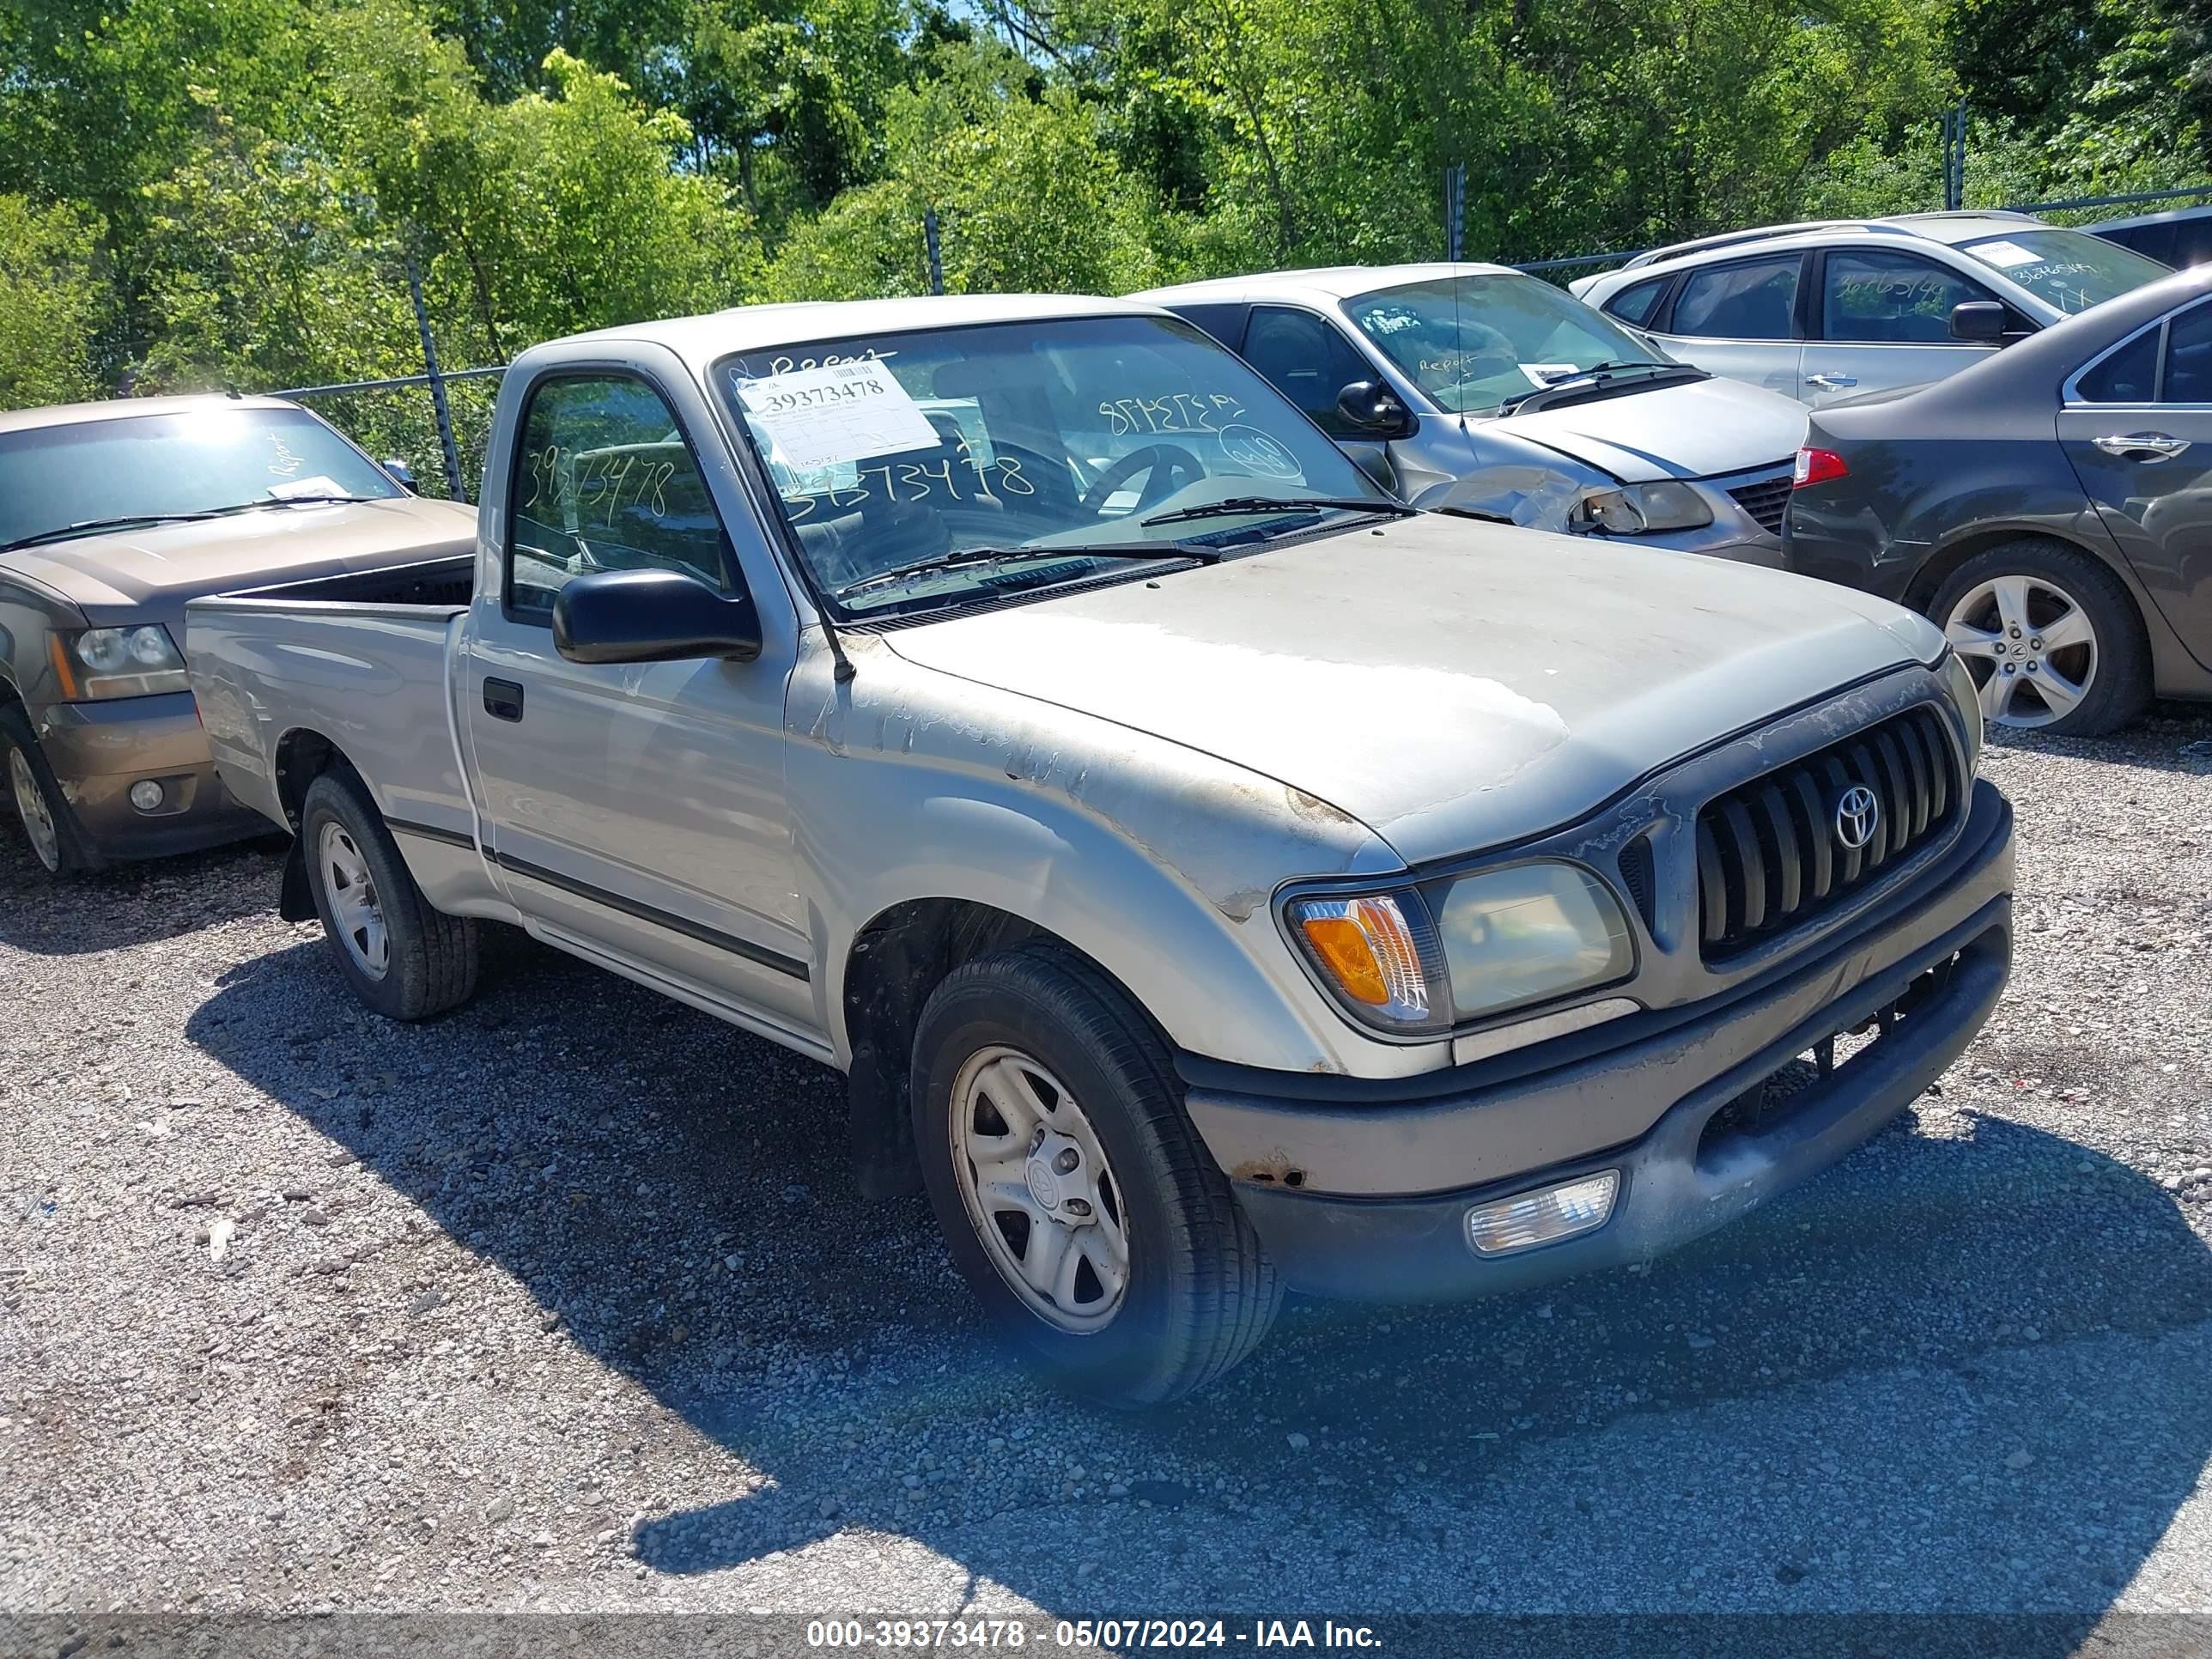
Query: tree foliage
x,y
233,191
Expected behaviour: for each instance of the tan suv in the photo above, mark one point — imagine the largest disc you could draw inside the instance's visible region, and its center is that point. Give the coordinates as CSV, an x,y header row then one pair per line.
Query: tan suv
x,y
112,515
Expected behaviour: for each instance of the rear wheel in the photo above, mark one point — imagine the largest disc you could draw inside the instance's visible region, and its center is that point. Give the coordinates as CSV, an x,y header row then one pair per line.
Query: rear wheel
x,y
1074,1193
2050,636
41,807
404,959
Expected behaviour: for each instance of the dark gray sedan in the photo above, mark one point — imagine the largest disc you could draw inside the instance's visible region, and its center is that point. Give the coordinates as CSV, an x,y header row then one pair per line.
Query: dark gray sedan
x,y
2051,507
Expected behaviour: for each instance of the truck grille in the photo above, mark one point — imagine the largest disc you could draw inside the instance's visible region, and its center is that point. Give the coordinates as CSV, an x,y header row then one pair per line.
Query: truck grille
x,y
1766,501
1773,852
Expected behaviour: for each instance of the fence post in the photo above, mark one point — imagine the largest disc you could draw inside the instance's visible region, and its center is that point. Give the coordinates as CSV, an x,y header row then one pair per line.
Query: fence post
x,y
930,246
1454,211
1954,158
438,403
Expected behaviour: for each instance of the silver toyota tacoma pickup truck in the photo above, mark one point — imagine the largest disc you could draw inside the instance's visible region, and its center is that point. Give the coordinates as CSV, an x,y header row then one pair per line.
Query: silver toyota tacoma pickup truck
x,y
1212,874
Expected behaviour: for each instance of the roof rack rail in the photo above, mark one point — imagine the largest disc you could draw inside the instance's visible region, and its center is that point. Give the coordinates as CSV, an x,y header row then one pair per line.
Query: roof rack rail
x,y
1765,233
2010,214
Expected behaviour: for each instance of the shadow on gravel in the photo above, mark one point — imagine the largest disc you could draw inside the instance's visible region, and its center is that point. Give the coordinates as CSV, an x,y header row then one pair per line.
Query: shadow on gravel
x,y
2015,1326
2172,736
129,903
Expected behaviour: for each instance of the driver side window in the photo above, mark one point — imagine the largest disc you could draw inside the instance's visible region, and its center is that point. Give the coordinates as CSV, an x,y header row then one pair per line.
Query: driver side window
x,y
604,481
1307,361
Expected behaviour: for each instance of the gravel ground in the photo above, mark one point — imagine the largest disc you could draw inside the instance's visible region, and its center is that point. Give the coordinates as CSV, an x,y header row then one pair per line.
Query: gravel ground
x,y
566,1301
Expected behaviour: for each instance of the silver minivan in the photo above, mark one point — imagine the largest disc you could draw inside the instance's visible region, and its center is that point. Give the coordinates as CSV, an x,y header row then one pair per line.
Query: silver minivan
x,y
1478,388
1837,308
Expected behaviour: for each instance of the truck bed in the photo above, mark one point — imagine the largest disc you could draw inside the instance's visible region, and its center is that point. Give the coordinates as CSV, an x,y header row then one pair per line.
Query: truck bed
x,y
358,660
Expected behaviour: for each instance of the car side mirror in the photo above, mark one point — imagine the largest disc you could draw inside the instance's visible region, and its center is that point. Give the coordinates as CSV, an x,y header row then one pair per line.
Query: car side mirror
x,y
1980,322
402,474
1374,410
652,616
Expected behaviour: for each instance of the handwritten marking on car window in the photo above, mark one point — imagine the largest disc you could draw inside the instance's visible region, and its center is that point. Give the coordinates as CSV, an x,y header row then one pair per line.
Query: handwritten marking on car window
x,y
596,485
1175,411
916,480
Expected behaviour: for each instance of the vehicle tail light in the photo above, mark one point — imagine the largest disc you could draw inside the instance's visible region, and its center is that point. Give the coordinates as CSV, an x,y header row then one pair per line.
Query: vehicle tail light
x,y
1817,466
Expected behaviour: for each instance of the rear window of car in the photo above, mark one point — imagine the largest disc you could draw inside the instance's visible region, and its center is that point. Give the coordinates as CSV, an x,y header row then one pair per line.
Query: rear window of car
x,y
1635,303
1756,300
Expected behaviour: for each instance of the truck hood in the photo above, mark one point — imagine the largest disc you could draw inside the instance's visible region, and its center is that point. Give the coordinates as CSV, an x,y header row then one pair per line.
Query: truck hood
x,y
146,574
1452,685
1699,430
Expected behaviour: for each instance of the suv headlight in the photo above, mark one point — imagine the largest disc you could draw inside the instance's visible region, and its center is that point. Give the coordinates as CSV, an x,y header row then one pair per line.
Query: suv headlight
x,y
1419,960
1640,509
1959,681
118,662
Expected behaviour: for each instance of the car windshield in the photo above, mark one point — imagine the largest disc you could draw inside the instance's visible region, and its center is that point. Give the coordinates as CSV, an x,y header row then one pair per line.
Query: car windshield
x,y
1065,444
1473,341
156,466
2069,268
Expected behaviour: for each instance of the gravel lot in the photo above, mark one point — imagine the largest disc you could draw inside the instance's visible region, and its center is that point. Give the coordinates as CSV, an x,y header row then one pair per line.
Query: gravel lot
x,y
566,1301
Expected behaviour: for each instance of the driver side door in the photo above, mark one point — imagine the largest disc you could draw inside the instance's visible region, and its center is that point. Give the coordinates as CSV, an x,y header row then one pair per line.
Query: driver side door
x,y
637,809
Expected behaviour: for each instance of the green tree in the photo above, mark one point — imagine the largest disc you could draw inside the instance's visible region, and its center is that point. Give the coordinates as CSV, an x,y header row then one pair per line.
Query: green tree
x,y
51,302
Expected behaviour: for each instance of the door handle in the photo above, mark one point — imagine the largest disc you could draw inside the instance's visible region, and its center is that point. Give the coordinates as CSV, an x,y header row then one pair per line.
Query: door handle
x,y
2146,446
1831,382
503,700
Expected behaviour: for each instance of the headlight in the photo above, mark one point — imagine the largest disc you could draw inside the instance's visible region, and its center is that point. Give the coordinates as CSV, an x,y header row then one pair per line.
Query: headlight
x,y
1418,960
118,662
1528,934
1959,681
1640,509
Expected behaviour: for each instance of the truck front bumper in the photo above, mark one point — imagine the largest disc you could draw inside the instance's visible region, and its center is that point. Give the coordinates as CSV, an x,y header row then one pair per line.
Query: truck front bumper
x,y
98,750
1368,1200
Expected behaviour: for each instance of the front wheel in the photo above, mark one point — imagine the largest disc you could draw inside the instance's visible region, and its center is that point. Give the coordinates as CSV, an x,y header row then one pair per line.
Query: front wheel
x,y
41,809
404,959
1073,1191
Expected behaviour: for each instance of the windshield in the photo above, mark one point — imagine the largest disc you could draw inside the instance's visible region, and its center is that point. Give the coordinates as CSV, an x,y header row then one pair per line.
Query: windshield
x,y
2069,268
158,466
893,450
1470,342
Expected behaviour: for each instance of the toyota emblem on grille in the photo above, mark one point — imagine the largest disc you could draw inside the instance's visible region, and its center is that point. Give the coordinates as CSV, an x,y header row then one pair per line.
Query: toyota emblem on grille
x,y
1858,816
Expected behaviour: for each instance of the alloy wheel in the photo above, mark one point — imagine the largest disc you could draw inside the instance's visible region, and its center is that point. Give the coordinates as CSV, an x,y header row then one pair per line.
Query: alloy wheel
x,y
2030,646
352,894
1038,1191
30,806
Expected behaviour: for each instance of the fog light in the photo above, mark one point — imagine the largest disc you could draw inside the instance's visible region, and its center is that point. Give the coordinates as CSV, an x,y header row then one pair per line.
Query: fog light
x,y
146,795
1522,1223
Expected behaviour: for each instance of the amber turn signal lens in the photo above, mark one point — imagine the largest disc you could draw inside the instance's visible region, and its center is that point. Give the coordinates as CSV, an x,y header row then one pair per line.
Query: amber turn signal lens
x,y
1341,944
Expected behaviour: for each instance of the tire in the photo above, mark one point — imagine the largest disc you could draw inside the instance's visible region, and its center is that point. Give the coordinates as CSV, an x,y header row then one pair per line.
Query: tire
x,y
2106,660
35,795
424,962
1198,1293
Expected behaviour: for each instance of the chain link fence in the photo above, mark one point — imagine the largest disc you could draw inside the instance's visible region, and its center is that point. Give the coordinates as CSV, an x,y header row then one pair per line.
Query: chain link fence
x,y
437,423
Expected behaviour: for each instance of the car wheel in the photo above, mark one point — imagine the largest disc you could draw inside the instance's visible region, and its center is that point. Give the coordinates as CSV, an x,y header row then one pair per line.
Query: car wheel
x,y
2050,636
41,808
404,959
1074,1193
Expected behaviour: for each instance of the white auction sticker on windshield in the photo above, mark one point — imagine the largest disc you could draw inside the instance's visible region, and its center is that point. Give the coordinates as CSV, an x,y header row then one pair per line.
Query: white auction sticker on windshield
x,y
1542,375
818,417
2003,255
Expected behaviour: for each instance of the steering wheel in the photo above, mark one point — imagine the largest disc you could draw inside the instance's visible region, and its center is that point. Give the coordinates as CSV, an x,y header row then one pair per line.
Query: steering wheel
x,y
1173,467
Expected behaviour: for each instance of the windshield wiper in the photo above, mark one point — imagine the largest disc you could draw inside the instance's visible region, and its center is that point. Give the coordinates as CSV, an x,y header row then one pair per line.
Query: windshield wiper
x,y
1595,374
93,526
974,556
1239,504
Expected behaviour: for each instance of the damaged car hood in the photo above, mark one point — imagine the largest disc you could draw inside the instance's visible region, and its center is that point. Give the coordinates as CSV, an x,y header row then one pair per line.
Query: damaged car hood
x,y
1704,429
1452,685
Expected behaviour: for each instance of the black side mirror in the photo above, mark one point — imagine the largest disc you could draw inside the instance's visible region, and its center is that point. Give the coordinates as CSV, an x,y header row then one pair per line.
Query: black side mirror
x,y
1373,409
652,616
402,474
1980,322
